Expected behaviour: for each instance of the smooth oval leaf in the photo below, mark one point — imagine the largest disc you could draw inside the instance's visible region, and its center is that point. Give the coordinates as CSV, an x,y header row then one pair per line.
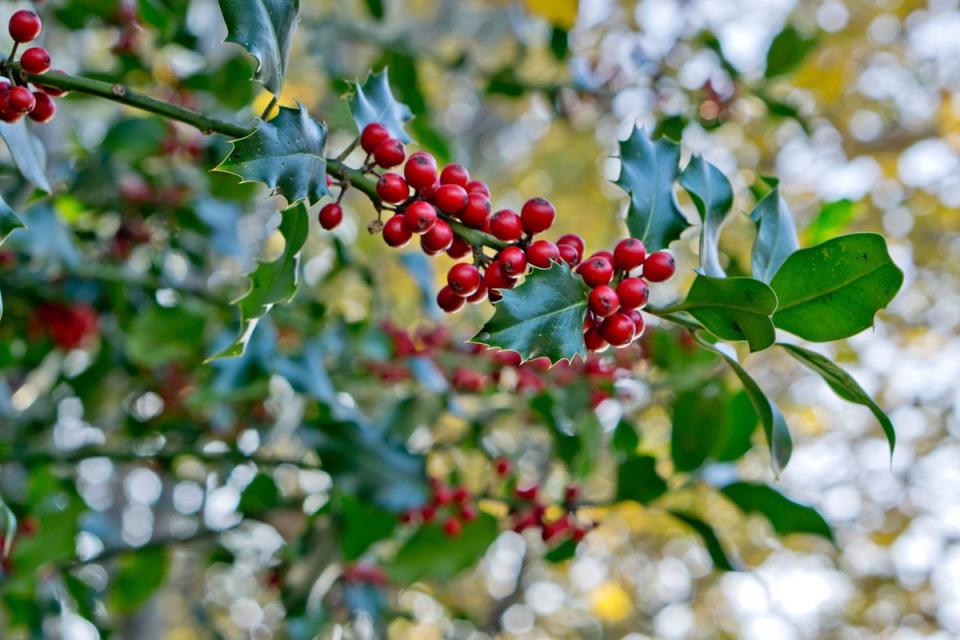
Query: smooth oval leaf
x,y
787,51
139,574
373,101
541,317
834,290
638,480
697,420
776,234
9,221
710,540
27,153
733,309
265,29
713,196
784,514
648,170
430,553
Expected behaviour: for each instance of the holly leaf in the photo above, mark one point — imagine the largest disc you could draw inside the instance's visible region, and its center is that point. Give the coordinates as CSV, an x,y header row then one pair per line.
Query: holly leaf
x,y
9,221
787,51
373,101
265,29
832,219
733,309
713,196
648,170
698,416
286,153
710,540
541,317
784,514
27,153
272,282
775,428
430,553
834,290
158,335
776,234
638,480
139,574
361,525
843,384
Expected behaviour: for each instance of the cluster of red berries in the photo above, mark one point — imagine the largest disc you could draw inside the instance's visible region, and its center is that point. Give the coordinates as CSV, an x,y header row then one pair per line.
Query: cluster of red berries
x,y
453,504
69,326
17,100
530,513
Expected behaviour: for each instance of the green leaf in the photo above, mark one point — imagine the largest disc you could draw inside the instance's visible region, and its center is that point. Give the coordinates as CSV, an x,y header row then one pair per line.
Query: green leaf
x,y
286,153
713,196
9,528
375,7
625,438
373,101
787,51
710,540
265,29
776,234
559,43
27,153
648,170
774,426
697,420
834,290
9,221
541,317
638,480
431,554
563,551
733,309
362,524
272,282
734,439
843,384
159,335
139,575
833,218
784,514
258,496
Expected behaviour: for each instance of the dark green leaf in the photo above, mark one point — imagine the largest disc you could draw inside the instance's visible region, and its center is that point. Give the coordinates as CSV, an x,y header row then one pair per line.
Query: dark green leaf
x,y
774,426
258,496
27,153
431,554
506,83
541,317
834,290
638,480
787,51
776,234
563,551
287,154
373,101
784,514
139,575
648,170
671,127
833,218
733,309
710,540
843,385
625,438
713,196
735,437
375,7
559,43
159,335
9,222
264,28
362,525
698,417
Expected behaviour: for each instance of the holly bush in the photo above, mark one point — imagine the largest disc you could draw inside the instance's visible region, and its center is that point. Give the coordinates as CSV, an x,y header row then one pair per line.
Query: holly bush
x,y
200,349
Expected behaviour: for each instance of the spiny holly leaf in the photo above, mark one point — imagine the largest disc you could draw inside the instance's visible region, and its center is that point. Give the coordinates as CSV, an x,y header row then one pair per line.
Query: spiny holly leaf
x,y
784,514
710,540
733,309
713,196
373,101
776,234
27,153
843,384
286,153
430,553
9,221
774,426
265,29
541,317
834,290
272,282
648,170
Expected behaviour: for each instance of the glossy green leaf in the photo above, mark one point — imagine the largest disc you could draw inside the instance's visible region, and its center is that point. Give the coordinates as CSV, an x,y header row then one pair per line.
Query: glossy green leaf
x,y
563,551
832,220
373,101
9,221
843,384
158,335
543,316
787,51
272,282
259,495
733,309
431,554
698,416
648,170
784,514
776,234
719,557
638,480
27,152
287,153
775,428
265,29
361,525
834,290
139,574
713,196
736,435
625,439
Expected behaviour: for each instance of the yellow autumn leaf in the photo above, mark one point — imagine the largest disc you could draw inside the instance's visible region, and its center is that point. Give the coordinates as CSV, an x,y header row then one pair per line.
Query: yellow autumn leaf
x,y
560,13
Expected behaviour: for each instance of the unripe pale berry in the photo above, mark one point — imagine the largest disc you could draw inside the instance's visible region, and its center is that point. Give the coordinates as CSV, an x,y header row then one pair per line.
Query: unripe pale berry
x,y
420,216
451,198
629,254
633,293
390,153
604,301
618,329
392,188
330,215
460,248
438,239
506,225
35,60
24,26
21,100
659,266
513,260
373,134
537,215
464,279
420,170
454,174
569,254
541,253
450,301
395,232
596,271
477,211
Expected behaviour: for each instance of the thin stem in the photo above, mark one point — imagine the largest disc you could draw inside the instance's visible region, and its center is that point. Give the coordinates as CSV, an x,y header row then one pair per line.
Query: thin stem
x,y
346,152
266,112
671,314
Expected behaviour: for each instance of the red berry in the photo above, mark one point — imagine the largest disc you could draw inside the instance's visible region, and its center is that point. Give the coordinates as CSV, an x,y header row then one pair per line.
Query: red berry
x,y
452,527
569,254
442,494
395,232
506,225
571,493
24,26
464,279
594,340
604,301
538,215
392,188
451,198
461,494
633,293
541,253
602,254
330,215
596,271
7,114
430,192
420,217
507,358
449,301
496,278
477,186
528,492
468,513
618,329
21,100
513,260
454,174
428,512
629,254
659,266
638,323
459,249
573,240
479,296
389,153
35,60
420,170
438,239
373,134
477,211
502,466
